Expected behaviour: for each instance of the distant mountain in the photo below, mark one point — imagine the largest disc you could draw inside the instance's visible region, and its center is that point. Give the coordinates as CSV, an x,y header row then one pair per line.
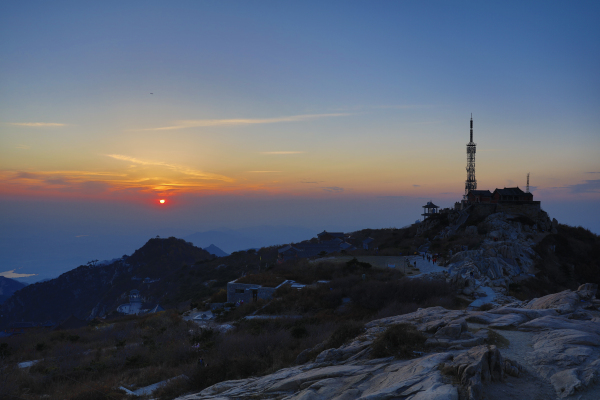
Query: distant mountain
x,y
230,240
215,251
8,287
88,290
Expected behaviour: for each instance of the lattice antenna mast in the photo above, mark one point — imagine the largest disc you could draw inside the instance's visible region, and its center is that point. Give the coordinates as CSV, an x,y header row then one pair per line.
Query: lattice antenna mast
x,y
471,182
527,191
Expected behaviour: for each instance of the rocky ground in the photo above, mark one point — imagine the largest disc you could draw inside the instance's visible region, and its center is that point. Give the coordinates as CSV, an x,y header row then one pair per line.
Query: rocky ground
x,y
547,348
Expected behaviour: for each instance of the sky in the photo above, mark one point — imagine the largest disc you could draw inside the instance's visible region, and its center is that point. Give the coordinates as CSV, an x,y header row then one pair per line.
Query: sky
x,y
336,115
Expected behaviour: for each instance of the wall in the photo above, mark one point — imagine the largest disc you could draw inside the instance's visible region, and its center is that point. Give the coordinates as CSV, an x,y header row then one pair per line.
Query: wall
x,y
263,293
529,208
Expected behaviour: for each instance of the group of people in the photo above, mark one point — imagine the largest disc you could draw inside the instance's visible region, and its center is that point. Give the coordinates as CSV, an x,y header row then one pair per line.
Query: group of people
x,y
430,258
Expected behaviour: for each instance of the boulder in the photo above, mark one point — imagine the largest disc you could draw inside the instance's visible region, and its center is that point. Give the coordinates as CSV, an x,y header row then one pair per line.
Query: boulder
x,y
481,364
587,291
563,302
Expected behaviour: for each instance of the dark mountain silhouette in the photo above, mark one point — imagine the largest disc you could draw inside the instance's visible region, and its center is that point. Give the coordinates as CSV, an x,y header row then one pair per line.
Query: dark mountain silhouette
x,y
89,290
8,287
215,251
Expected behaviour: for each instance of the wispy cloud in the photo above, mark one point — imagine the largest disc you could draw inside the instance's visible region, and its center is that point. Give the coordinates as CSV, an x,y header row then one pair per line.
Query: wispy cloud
x,y
593,172
589,186
198,123
173,167
281,152
139,176
416,185
401,106
333,189
13,274
38,124
261,172
312,181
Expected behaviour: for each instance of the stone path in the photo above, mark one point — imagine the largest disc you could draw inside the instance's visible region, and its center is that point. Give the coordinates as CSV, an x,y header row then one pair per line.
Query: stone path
x,y
424,266
491,295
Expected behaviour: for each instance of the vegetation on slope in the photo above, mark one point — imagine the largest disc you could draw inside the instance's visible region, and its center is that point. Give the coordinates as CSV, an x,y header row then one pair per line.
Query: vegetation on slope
x,y
568,259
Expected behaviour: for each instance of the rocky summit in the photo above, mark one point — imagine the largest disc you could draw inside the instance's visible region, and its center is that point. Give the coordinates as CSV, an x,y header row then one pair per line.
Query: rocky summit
x,y
546,348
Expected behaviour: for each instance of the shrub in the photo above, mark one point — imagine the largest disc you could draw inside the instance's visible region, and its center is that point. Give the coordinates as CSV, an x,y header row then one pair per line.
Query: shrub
x,y
346,331
353,264
41,346
494,338
219,297
4,350
400,340
299,332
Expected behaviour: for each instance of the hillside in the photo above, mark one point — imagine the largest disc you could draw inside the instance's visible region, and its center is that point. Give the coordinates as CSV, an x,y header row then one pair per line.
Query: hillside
x,y
454,310
91,290
8,287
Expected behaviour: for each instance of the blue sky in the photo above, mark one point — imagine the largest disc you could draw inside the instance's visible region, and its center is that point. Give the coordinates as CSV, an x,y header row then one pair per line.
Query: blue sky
x,y
300,113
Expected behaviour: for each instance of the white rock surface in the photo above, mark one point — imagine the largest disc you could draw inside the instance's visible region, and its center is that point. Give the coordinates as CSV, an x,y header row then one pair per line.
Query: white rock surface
x,y
551,356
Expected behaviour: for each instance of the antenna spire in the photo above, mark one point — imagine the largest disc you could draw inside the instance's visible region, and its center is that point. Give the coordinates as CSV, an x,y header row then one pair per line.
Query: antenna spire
x,y
471,182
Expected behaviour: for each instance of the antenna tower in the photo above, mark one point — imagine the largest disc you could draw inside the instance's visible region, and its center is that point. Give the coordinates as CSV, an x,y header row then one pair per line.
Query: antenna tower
x,y
527,191
471,182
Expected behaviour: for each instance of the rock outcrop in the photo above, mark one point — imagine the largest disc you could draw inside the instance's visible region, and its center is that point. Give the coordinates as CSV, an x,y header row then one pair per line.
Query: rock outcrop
x,y
542,349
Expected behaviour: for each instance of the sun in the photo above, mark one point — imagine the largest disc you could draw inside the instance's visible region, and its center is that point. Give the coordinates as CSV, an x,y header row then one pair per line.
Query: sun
x,y
162,201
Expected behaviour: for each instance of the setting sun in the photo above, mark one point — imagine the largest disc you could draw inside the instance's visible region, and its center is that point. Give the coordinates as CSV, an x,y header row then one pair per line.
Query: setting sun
x,y
161,201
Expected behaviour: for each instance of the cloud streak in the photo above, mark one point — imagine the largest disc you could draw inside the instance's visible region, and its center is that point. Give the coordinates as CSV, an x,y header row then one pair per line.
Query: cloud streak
x,y
38,124
589,186
13,274
173,167
333,189
200,123
281,152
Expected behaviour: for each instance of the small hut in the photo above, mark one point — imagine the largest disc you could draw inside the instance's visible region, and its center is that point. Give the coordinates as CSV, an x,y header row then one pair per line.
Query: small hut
x,y
429,209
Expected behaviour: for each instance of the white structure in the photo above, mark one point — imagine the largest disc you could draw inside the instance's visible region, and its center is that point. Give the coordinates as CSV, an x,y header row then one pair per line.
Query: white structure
x,y
135,304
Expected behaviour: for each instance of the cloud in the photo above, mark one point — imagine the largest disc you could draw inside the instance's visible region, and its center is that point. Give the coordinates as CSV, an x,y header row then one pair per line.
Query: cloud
x,y
261,172
173,167
589,186
282,152
312,181
13,274
393,197
57,181
333,189
242,121
400,106
416,185
593,172
38,124
26,175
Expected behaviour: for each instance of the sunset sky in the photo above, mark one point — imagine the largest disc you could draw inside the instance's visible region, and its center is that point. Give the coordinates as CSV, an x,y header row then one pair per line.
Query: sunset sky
x,y
320,114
